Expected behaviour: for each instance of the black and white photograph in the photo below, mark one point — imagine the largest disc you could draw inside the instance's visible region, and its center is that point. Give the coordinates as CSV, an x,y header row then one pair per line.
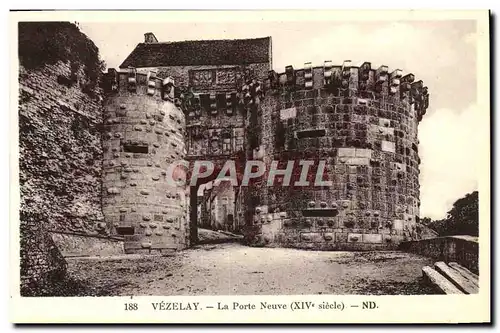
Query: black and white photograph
x,y
251,156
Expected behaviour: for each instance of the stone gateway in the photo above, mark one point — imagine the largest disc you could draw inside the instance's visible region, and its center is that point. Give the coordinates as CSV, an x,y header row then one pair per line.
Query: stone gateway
x,y
169,104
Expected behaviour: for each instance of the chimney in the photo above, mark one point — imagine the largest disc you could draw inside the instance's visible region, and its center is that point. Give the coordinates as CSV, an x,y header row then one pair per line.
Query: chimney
x,y
149,38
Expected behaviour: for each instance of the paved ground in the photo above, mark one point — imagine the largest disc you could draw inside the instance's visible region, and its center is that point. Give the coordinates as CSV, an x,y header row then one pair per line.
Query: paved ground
x,y
226,269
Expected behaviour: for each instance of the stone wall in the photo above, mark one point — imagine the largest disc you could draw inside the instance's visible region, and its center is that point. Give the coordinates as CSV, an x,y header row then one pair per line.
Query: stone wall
x,y
60,170
42,265
78,245
461,249
363,124
214,114
144,133
60,153
60,150
216,135
214,104
206,78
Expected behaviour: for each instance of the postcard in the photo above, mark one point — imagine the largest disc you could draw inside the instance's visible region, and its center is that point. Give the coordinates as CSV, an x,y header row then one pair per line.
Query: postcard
x,y
250,167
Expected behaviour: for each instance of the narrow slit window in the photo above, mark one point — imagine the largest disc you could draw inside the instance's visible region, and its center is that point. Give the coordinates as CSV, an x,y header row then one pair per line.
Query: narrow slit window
x,y
320,212
136,149
125,231
313,133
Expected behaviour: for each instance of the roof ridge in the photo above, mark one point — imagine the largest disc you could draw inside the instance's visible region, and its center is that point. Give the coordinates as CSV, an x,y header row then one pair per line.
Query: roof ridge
x,y
200,52
206,40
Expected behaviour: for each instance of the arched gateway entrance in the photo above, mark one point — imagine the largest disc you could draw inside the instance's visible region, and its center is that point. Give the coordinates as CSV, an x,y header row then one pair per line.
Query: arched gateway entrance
x,y
216,178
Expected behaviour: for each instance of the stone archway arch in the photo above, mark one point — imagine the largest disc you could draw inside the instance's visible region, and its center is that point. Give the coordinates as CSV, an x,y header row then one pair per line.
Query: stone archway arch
x,y
239,161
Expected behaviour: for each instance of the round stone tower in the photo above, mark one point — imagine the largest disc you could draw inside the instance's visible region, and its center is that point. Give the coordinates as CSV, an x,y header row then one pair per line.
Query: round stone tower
x,y
356,129
143,134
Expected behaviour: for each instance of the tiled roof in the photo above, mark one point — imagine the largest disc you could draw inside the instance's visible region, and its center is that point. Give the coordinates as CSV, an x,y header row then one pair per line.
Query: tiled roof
x,y
200,52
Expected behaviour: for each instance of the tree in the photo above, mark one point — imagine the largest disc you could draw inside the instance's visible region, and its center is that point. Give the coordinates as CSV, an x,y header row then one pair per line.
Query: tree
x,y
462,219
426,221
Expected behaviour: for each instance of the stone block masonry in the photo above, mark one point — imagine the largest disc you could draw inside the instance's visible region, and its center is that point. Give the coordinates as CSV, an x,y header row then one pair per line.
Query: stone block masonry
x,y
143,134
363,123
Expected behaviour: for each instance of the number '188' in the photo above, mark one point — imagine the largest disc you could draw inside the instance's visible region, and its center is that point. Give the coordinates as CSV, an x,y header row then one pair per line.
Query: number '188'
x,y
131,306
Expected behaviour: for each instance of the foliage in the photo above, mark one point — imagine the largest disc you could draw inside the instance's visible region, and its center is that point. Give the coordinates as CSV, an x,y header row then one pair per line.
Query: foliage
x,y
462,219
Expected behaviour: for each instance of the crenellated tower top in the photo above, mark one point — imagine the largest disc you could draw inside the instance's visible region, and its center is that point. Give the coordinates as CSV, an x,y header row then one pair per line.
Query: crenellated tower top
x,y
348,81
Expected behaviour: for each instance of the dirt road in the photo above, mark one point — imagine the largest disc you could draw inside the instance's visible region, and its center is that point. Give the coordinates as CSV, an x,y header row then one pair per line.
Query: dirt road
x,y
228,269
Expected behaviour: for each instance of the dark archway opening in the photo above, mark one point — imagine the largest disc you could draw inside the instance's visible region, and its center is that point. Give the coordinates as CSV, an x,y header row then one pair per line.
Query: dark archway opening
x,y
193,193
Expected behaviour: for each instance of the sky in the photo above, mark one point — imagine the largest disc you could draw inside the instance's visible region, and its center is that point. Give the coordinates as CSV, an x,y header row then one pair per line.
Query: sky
x,y
441,53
